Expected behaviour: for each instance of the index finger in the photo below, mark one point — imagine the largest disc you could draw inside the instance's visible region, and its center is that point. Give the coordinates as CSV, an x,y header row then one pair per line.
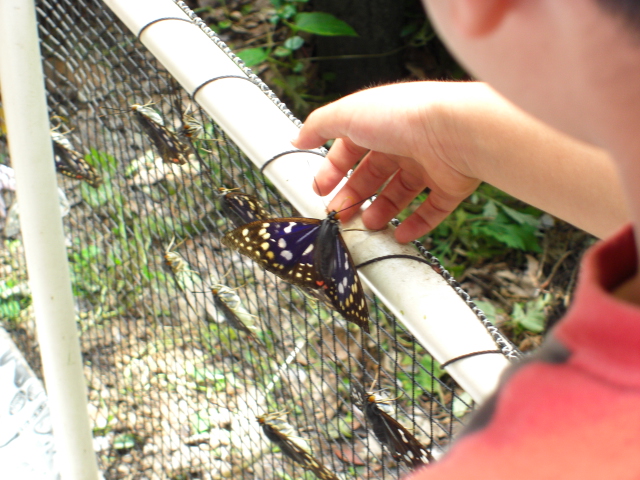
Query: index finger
x,y
342,156
320,126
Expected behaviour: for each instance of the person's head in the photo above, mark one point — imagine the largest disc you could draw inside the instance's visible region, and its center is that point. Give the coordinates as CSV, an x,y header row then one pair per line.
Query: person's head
x,y
628,11
569,62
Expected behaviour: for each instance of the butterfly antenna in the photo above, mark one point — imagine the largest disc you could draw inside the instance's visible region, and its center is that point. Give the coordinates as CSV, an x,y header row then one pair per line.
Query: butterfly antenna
x,y
170,244
357,203
177,245
350,206
375,379
227,273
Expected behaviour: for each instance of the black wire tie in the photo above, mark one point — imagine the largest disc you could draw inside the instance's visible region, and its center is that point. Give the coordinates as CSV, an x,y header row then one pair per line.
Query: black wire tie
x,y
211,80
389,257
162,20
468,355
266,164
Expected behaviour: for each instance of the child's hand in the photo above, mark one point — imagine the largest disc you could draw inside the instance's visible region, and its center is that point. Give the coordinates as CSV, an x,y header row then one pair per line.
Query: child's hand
x,y
449,137
408,135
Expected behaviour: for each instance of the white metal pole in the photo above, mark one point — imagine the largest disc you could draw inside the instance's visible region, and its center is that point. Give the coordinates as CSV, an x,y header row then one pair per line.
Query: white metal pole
x,y
23,98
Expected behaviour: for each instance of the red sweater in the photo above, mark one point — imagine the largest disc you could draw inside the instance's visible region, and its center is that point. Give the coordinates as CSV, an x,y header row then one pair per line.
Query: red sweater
x,y
573,410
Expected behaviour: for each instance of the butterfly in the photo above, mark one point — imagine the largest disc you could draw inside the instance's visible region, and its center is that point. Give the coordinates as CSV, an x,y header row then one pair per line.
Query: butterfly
x,y
170,147
296,448
187,279
402,445
191,128
174,262
307,252
242,208
70,163
229,304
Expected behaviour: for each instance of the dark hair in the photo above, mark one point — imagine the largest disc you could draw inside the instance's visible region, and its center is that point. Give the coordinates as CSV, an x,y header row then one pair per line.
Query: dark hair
x,y
627,10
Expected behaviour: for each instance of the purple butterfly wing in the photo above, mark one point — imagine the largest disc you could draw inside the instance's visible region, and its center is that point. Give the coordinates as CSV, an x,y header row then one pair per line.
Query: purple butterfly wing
x,y
283,246
289,247
344,289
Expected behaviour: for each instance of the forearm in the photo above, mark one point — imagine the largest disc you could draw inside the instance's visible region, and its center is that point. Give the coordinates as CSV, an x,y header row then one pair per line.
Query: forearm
x,y
518,154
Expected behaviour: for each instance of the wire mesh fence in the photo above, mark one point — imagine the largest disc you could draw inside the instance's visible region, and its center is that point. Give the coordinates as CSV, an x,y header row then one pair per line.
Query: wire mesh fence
x,y
199,363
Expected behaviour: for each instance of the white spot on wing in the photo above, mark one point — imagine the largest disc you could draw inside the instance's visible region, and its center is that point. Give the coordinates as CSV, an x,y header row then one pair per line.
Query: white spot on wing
x,y
286,254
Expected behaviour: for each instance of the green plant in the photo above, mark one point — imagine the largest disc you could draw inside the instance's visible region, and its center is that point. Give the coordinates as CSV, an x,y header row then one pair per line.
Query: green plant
x,y
483,226
461,404
283,49
531,316
426,377
125,441
14,297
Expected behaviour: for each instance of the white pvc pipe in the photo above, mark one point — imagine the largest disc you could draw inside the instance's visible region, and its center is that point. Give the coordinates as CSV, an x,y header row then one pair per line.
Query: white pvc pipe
x,y
417,295
26,116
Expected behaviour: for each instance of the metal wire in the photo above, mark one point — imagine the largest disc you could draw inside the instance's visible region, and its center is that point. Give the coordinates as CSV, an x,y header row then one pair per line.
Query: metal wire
x,y
174,390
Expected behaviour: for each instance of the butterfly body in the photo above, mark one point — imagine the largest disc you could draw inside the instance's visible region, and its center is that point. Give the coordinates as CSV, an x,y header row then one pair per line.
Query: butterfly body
x,y
186,279
307,252
169,146
174,263
325,246
70,163
401,443
191,128
293,446
228,303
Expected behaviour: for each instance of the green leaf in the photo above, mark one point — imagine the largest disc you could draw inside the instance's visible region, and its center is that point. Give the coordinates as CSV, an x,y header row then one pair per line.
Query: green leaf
x,y
200,423
298,67
223,24
107,163
488,309
253,56
288,11
10,309
461,404
97,197
280,51
490,209
325,24
90,252
293,43
531,316
522,237
521,218
124,441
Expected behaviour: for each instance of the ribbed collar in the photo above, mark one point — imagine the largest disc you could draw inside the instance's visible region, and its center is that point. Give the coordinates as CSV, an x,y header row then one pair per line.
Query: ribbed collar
x,y
601,331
